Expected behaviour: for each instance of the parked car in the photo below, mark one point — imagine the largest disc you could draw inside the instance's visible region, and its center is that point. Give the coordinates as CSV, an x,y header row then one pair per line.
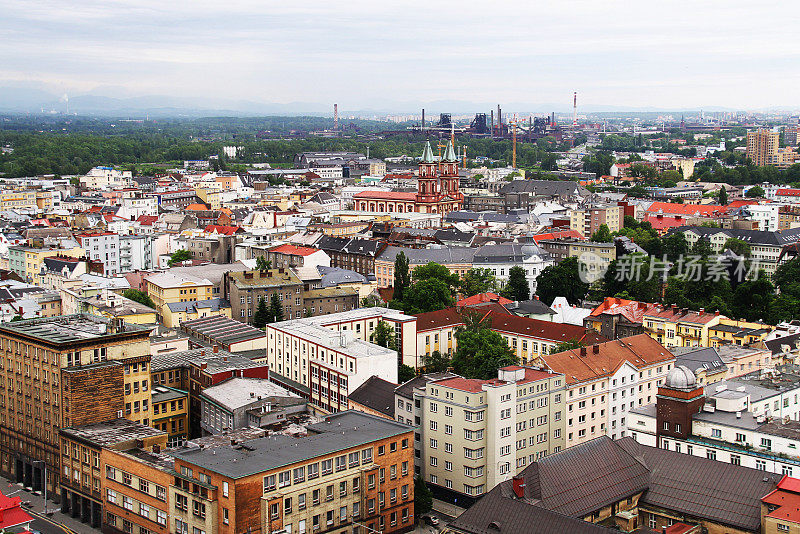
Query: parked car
x,y
430,519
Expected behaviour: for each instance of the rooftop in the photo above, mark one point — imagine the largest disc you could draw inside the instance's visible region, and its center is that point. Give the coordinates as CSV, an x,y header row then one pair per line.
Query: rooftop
x,y
377,394
222,330
70,329
293,250
111,433
337,432
239,392
215,361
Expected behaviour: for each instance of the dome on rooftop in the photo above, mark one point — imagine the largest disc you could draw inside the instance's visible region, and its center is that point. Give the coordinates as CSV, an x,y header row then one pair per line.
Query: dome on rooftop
x,y
681,377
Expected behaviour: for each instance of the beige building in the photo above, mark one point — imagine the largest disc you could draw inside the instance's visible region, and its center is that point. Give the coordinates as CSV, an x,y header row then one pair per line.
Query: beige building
x,y
588,219
166,288
475,434
606,381
18,199
762,147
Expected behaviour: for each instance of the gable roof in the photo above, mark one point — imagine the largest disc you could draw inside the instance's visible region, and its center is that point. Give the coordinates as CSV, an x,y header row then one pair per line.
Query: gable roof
x,y
483,297
377,394
604,359
293,250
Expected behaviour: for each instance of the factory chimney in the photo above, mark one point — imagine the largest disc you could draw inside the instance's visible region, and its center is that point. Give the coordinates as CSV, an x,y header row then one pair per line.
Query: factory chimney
x,y
491,122
499,120
423,119
336,117
575,109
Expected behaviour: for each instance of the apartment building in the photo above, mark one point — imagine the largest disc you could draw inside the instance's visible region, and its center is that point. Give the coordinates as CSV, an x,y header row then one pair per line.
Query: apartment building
x,y
65,371
330,480
606,381
474,434
245,289
19,199
588,219
457,259
680,327
102,247
560,249
27,261
762,146
171,413
351,253
501,258
92,480
287,256
330,355
168,287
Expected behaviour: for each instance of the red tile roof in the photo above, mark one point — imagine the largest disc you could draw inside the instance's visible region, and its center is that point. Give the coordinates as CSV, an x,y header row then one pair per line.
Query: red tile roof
x,y
665,222
196,207
788,192
294,250
558,332
474,385
147,220
481,298
224,230
438,319
387,195
565,234
787,498
11,512
632,310
603,359
683,315
696,210
96,234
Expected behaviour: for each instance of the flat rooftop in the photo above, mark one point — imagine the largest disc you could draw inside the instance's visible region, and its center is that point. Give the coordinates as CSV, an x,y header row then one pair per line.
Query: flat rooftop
x,y
337,432
215,361
68,329
222,330
111,433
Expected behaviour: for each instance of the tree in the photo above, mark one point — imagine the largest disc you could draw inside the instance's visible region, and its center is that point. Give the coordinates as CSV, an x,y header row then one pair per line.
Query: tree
x,y
370,301
561,280
602,235
478,280
787,278
263,264
436,362
405,373
738,247
179,256
262,315
517,287
383,335
702,248
570,344
423,498
674,246
755,192
275,309
436,271
427,296
402,277
139,296
723,196
753,300
480,351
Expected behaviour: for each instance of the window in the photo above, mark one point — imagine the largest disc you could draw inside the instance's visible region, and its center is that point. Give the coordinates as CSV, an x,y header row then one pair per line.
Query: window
x,y
269,483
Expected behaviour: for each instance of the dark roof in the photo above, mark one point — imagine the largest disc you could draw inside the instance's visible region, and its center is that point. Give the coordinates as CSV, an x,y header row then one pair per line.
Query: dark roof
x,y
774,345
514,516
702,358
377,394
335,244
405,389
453,235
703,488
547,188
530,307
755,237
584,478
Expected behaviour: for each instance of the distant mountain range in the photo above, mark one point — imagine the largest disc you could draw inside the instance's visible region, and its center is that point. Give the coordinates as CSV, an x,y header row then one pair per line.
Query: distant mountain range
x,y
34,99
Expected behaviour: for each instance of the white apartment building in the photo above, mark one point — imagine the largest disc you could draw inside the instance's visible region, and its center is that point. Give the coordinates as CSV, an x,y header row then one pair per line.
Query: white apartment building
x,y
474,434
136,252
132,208
105,178
766,215
103,247
606,381
501,258
331,355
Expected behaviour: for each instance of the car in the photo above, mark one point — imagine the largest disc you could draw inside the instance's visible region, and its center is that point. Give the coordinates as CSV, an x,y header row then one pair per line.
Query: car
x,y
430,519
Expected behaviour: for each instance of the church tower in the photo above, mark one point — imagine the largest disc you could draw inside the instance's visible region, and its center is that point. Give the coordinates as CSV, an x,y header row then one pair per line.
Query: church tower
x,y
449,171
427,183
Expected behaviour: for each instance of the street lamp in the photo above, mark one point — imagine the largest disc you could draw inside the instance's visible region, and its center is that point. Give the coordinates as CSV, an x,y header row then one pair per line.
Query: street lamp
x,y
44,482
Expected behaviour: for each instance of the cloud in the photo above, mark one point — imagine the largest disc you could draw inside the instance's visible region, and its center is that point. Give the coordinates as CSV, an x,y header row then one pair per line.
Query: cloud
x,y
361,53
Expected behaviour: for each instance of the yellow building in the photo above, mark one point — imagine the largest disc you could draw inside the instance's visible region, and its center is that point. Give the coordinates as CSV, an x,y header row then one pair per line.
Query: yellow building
x,y
136,380
174,313
27,261
165,288
111,306
762,147
171,413
732,331
209,194
18,199
679,327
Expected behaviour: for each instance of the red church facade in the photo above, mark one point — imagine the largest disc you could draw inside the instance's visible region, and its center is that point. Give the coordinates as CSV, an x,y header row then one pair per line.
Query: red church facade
x,y
437,189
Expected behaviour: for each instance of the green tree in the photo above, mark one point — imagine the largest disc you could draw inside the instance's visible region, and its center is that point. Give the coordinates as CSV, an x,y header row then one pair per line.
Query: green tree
x,y
139,296
753,300
423,498
480,351
405,373
702,248
573,343
383,335
436,271
722,198
402,277
738,247
179,256
517,287
263,264
426,296
561,280
631,275
602,235
755,192
436,362
478,280
674,246
370,301
275,309
262,315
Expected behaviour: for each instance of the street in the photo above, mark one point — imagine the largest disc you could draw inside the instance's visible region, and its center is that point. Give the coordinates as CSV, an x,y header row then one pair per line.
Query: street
x,y
55,522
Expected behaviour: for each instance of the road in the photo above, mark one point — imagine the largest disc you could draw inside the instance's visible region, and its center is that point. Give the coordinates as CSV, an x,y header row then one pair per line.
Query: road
x,y
53,523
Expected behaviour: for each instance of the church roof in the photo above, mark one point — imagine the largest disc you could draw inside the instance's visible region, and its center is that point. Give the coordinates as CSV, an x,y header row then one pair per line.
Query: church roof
x,y
427,153
449,153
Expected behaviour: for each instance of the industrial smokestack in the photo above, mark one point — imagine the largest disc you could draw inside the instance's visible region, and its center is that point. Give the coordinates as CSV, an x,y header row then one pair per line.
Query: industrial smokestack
x,y
575,109
499,120
491,122
423,118
336,117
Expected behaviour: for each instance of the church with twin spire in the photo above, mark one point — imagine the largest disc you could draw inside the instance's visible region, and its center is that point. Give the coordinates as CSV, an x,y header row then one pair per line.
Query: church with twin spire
x,y
437,189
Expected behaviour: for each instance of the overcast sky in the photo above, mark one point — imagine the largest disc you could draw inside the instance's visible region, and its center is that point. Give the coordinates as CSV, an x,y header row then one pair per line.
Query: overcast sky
x,y
666,54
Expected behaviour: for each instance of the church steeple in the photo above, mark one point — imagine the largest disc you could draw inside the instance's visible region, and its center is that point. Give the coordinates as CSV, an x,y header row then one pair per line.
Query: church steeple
x,y
427,153
449,153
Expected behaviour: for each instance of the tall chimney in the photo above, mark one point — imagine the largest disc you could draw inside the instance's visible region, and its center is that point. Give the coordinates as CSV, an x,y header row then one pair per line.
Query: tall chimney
x,y
575,109
423,119
499,120
491,122
336,117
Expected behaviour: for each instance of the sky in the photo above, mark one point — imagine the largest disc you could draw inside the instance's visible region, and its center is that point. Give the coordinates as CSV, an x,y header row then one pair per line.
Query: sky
x,y
400,54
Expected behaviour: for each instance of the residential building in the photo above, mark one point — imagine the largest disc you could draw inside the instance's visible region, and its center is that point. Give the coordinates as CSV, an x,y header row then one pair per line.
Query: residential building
x,y
240,403
779,507
246,288
475,434
228,334
19,199
592,253
680,327
606,381
353,254
615,317
291,256
375,396
60,372
501,258
457,259
171,413
176,313
762,146
589,218
327,480
27,261
169,287
110,305
105,178
738,332
136,253
102,247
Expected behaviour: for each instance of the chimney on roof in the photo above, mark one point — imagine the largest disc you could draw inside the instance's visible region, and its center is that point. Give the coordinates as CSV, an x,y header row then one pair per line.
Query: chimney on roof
x,y
702,311
583,351
248,276
596,349
202,352
716,313
215,349
518,483
280,270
